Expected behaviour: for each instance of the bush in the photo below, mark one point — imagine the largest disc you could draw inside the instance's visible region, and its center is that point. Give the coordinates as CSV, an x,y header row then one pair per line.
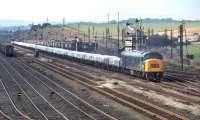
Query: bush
x,y
161,41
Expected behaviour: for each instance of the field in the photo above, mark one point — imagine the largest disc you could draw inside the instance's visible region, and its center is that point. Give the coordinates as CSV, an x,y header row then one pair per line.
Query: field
x,y
98,28
158,27
191,27
195,50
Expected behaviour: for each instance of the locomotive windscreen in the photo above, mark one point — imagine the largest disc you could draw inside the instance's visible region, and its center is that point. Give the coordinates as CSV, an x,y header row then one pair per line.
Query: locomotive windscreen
x,y
153,56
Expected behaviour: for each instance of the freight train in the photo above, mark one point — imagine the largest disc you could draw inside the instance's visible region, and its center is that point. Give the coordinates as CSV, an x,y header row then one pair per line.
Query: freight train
x,y
7,49
145,64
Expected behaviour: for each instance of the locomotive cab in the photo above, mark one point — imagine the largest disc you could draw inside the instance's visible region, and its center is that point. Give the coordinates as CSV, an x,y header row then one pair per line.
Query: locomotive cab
x,y
153,66
153,69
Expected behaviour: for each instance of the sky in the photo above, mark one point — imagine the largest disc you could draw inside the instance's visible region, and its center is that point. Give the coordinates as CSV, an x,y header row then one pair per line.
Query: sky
x,y
97,10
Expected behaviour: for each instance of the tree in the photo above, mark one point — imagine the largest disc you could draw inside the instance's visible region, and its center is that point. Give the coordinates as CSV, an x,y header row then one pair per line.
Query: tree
x,y
161,41
35,27
45,25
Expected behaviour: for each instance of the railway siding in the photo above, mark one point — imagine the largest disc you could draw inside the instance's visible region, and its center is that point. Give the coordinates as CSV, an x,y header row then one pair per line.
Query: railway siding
x,y
4,116
80,103
102,102
186,93
190,94
7,106
22,102
84,76
36,98
156,112
58,101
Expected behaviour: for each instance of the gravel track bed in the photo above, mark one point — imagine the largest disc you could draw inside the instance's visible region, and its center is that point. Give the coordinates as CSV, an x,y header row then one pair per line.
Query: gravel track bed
x,y
105,104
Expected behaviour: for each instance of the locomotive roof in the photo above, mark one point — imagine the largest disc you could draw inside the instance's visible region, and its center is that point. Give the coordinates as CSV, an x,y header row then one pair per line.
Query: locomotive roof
x,y
136,53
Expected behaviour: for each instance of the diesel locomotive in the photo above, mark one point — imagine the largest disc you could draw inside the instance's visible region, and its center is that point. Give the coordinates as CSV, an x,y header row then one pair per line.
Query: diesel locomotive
x,y
146,64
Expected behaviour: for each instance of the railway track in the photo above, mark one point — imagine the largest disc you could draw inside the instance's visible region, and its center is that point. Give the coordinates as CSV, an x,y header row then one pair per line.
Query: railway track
x,y
185,77
79,109
93,101
170,75
54,59
190,74
159,87
176,85
180,76
14,91
3,116
8,109
185,80
186,91
175,76
42,104
148,109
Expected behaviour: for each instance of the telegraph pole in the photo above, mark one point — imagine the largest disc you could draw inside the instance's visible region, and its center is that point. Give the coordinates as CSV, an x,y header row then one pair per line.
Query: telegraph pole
x,y
171,44
186,41
149,35
133,42
110,39
107,33
93,30
89,34
136,39
118,34
84,37
108,22
106,38
63,29
152,32
47,20
78,29
63,21
136,35
103,38
123,37
95,41
181,45
140,34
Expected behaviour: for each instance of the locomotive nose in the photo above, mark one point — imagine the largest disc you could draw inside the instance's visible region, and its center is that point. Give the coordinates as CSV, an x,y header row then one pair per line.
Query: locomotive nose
x,y
154,69
153,65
